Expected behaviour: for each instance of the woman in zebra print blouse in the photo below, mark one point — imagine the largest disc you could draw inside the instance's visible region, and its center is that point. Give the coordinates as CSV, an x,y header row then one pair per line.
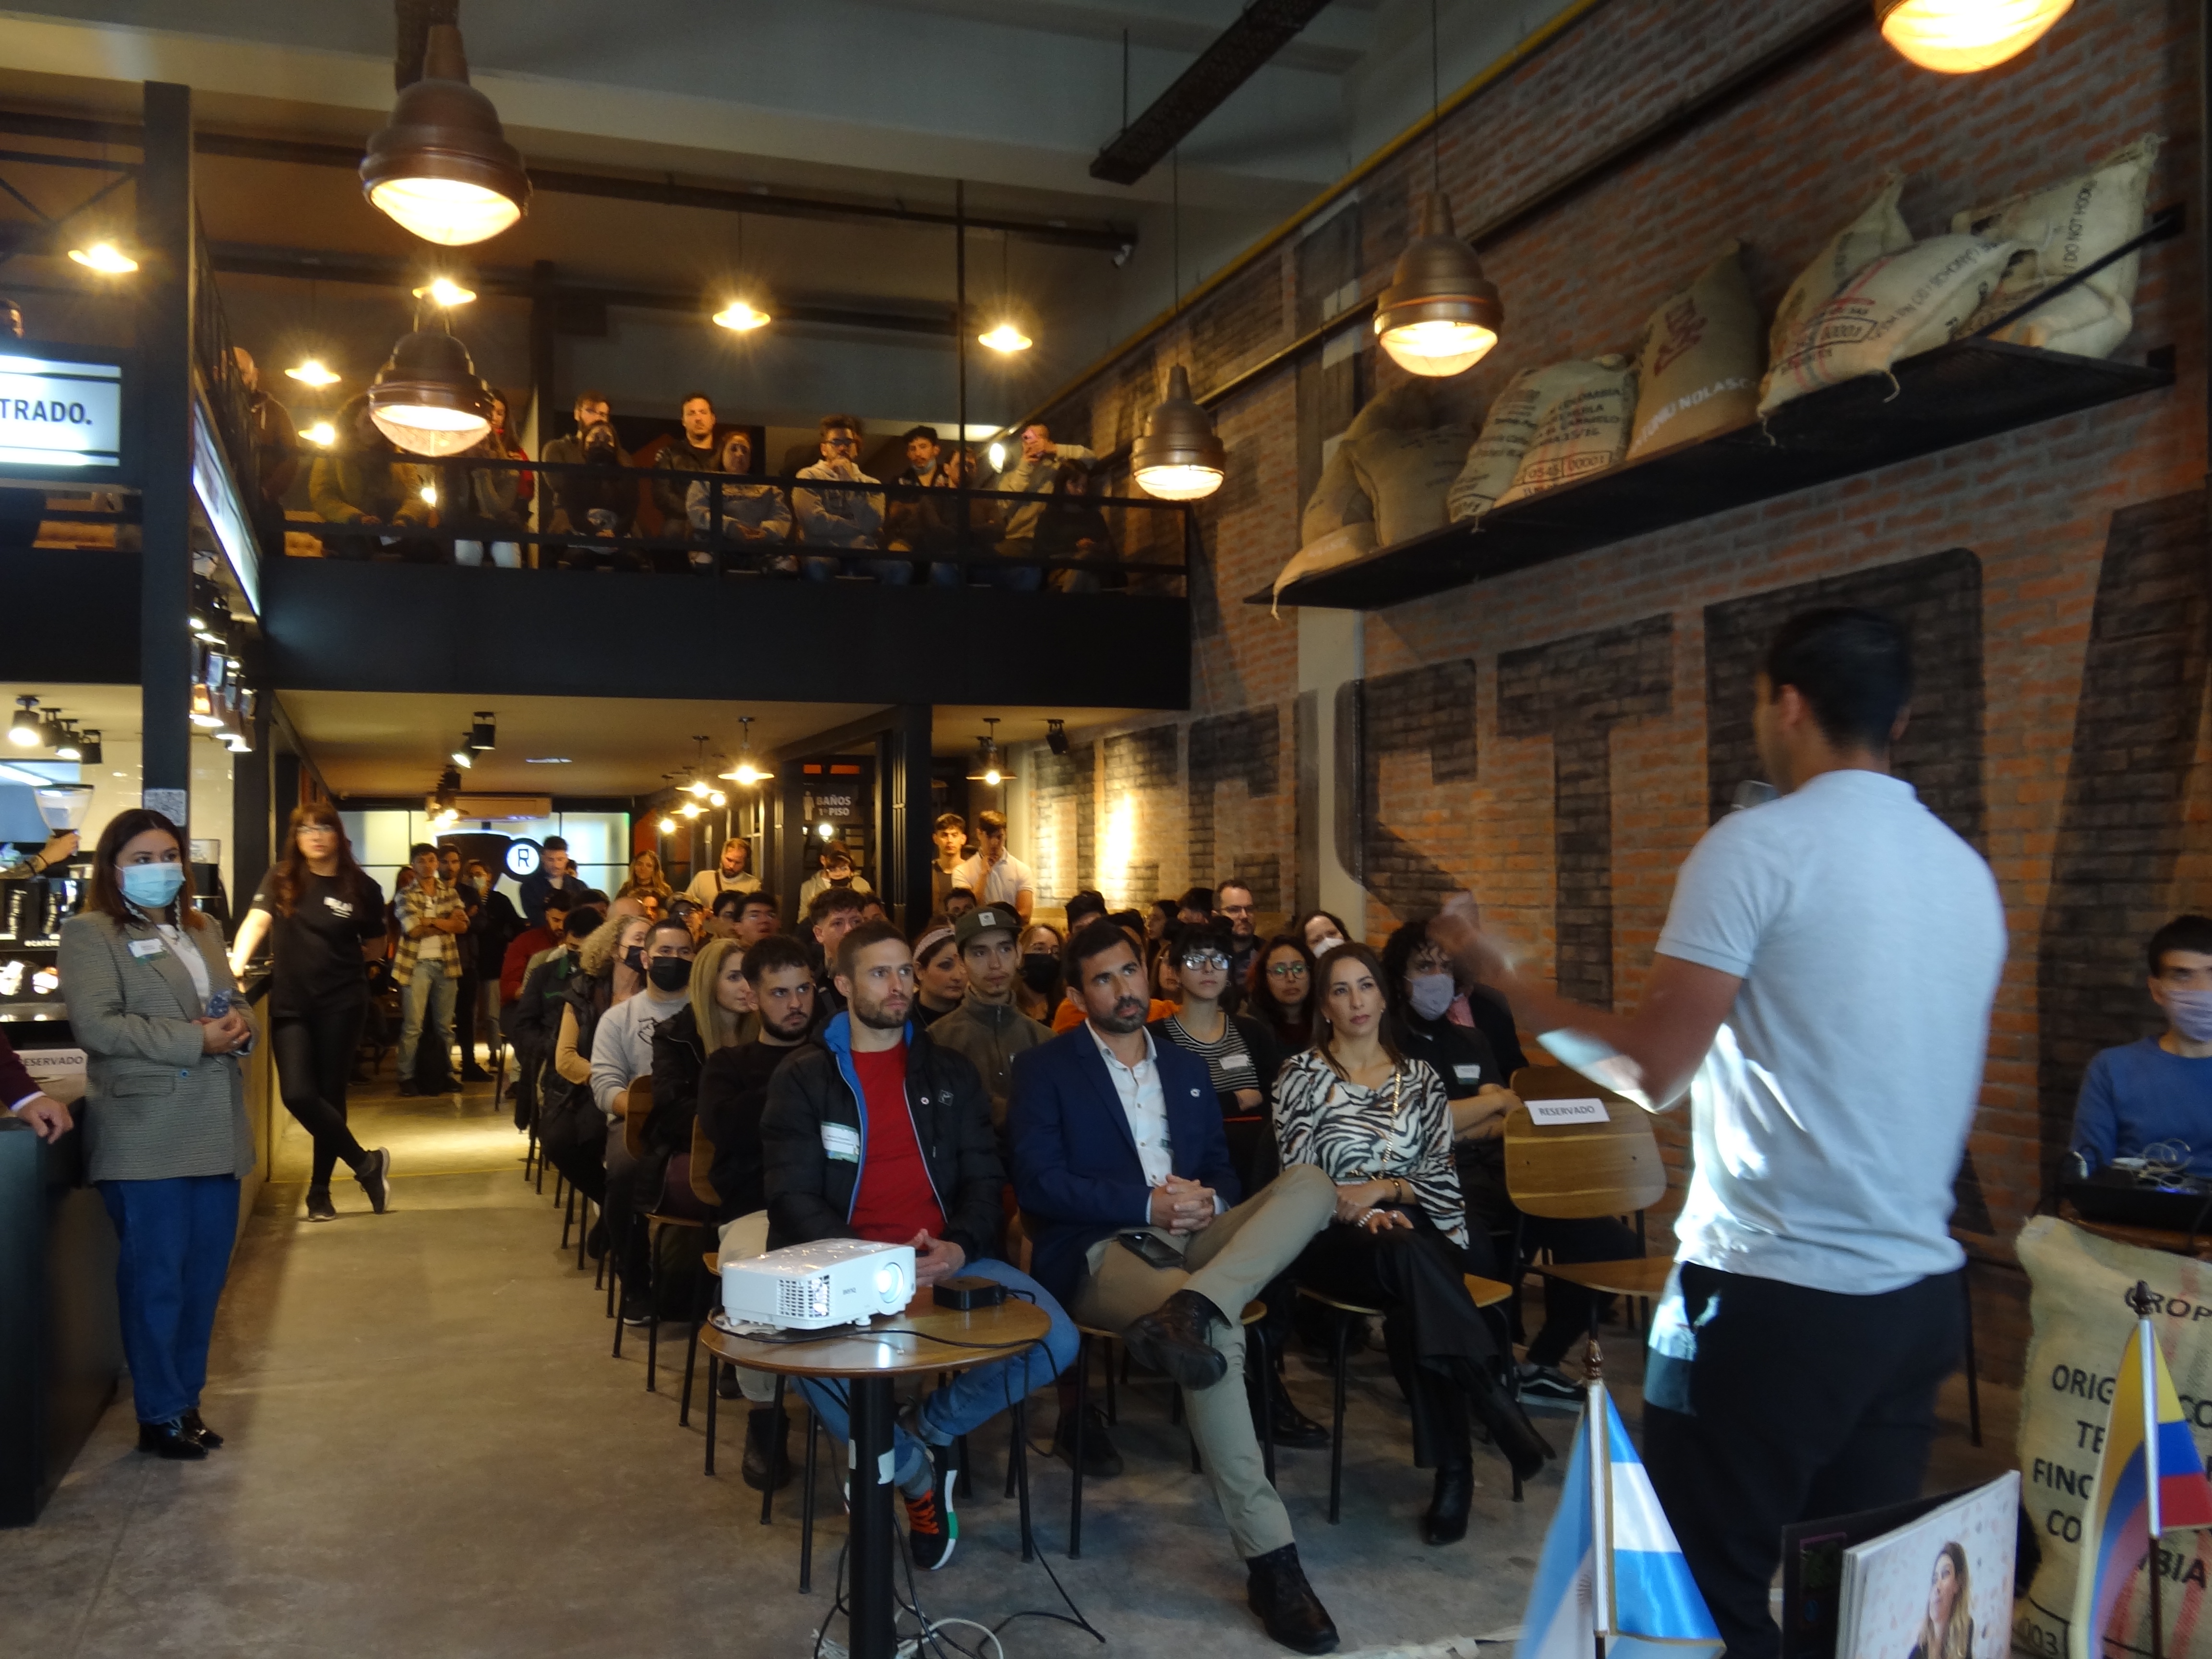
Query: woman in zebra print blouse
x,y
1379,1126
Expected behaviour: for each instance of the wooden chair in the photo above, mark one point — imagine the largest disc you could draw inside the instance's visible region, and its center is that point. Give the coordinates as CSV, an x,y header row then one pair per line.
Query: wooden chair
x,y
1484,1293
1575,1172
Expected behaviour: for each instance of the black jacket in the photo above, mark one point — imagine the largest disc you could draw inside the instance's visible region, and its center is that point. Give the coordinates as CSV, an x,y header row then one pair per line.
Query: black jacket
x,y
1460,1054
590,996
732,1095
678,1055
809,1193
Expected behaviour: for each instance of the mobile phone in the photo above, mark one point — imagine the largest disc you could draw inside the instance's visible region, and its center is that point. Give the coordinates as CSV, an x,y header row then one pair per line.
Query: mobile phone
x,y
218,1004
1150,1250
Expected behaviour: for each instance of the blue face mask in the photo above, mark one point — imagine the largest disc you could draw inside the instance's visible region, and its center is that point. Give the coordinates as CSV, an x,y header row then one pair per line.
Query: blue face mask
x,y
151,886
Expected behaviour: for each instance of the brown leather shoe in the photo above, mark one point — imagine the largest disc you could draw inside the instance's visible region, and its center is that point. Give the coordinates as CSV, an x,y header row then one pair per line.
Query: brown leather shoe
x,y
1173,1339
1275,1588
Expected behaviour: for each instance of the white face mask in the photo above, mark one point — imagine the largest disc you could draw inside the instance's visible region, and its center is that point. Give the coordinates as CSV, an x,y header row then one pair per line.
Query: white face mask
x,y
1322,947
1430,993
2191,1014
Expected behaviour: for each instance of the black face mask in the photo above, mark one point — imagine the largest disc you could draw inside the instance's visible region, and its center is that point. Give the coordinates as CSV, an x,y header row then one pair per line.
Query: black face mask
x,y
1040,970
633,958
670,974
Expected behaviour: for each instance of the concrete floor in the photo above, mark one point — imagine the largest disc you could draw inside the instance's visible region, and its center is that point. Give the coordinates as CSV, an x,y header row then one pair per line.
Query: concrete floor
x,y
432,1453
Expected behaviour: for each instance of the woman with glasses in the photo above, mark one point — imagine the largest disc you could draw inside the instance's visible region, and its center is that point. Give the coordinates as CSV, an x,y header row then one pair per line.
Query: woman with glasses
x,y
1280,991
1378,1123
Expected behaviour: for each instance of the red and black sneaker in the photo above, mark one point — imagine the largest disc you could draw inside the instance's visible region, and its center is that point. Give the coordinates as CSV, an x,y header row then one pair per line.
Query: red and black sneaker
x,y
932,1527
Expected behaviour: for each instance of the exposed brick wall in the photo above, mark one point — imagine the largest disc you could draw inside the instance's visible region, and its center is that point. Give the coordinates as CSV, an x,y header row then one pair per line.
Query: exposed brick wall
x,y
2054,578
1065,799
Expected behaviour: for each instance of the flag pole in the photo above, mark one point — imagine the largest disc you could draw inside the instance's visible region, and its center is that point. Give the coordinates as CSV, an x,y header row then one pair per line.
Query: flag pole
x,y
1598,1420
2147,1362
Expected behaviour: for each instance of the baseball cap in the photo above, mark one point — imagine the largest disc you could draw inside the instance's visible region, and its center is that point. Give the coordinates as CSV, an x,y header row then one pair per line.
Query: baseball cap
x,y
974,921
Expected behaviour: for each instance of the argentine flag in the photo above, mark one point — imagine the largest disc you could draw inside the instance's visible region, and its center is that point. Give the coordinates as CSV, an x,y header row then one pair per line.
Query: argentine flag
x,y
1611,1567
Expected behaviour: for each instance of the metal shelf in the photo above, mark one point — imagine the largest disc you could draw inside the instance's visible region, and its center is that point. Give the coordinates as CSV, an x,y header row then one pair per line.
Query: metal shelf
x,y
1957,394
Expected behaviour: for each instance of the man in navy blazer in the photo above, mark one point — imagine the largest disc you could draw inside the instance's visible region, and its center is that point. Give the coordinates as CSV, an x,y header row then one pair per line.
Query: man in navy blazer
x,y
1113,1134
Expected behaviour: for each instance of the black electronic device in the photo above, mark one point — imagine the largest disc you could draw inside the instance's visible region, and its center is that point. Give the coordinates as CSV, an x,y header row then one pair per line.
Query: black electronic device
x,y
2173,1204
1149,1250
969,1292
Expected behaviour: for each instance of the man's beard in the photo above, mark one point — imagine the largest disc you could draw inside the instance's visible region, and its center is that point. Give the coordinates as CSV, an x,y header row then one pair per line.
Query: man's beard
x,y
1128,1016
795,1027
880,1015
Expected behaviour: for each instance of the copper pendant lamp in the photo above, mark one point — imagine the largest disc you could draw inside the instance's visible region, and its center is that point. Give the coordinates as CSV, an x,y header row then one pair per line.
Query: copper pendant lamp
x,y
442,167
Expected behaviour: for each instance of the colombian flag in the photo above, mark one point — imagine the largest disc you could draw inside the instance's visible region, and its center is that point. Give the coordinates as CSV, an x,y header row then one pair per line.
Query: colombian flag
x,y
2149,1482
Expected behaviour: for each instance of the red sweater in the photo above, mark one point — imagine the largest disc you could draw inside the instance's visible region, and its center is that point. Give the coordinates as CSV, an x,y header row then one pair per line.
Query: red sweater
x,y
894,1201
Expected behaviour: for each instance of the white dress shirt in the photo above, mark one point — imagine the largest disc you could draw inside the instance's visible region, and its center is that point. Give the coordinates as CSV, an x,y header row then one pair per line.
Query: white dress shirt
x,y
1145,1105
1002,883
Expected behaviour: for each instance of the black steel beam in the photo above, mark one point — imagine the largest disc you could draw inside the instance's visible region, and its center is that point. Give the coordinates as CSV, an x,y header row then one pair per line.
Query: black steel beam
x,y
714,198
374,270
1236,56
168,269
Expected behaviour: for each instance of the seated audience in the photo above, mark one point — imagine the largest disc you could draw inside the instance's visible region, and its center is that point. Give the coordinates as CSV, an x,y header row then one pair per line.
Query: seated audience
x,y
1163,915
1196,905
1038,985
732,1093
1233,900
2153,1098
958,901
571,1124
718,1015
757,917
919,520
842,517
1377,1124
1071,1013
1279,991
364,482
835,912
1240,1055
691,448
1083,905
755,516
732,873
493,508
1081,1177
836,872
601,502
995,876
928,1173
987,1029
1321,932
622,1053
529,1016
940,980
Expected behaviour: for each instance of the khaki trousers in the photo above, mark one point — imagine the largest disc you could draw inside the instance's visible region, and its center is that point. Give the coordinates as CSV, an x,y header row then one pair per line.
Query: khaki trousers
x,y
1228,1264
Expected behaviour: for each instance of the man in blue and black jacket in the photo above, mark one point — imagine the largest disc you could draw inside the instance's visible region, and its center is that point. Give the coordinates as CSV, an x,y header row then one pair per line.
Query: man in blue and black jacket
x,y
881,1134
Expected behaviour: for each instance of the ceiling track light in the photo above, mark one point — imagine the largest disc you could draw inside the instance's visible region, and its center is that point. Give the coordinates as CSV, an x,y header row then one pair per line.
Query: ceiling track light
x,y
1055,735
484,735
441,167
463,756
88,742
1964,37
427,398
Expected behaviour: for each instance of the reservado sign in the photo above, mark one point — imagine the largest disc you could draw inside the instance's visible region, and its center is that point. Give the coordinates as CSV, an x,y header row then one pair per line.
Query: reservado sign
x,y
60,414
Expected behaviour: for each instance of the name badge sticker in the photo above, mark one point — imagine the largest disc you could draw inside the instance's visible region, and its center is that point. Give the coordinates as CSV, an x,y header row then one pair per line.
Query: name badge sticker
x,y
1568,1111
142,948
840,1142
1468,1073
1236,1062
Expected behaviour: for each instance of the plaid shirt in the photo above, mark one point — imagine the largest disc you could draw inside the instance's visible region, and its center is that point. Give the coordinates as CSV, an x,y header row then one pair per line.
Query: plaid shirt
x,y
417,906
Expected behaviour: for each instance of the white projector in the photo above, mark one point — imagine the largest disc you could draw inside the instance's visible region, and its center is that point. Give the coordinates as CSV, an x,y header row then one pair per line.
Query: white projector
x,y
807,1287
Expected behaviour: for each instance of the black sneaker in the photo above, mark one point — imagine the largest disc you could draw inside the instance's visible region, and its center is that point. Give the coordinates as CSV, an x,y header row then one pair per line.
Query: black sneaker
x,y
319,1207
1548,1384
376,1179
636,1311
932,1527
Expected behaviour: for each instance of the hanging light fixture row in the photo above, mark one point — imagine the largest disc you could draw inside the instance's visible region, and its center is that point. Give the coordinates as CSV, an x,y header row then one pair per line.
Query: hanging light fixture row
x,y
748,771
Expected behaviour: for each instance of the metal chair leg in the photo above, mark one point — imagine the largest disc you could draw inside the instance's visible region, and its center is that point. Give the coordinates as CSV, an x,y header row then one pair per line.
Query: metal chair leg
x,y
568,1216
713,1393
1336,1428
806,1509
1082,1411
1019,1457
653,1309
1112,1402
768,1497
1973,1369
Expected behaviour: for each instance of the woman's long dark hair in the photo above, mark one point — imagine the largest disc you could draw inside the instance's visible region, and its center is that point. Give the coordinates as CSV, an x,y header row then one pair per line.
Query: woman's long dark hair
x,y
1295,1030
1398,953
289,877
1325,1032
106,894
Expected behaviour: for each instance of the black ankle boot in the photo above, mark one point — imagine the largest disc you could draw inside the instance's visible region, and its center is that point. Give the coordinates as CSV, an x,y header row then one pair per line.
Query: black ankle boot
x,y
171,1440
1446,1521
767,1465
1509,1425
1275,1588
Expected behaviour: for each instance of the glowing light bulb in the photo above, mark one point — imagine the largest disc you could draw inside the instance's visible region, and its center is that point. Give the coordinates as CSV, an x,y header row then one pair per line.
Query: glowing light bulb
x,y
312,372
430,492
1438,347
997,452
668,826
322,434
104,258
1004,338
450,212
445,292
742,317
1960,37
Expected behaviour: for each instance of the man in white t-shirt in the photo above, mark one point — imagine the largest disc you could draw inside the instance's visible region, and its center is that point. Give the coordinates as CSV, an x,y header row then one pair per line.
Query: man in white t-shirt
x,y
1822,993
995,876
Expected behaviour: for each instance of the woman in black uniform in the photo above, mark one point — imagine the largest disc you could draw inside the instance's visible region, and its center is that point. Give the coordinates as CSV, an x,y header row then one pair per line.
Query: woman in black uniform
x,y
323,917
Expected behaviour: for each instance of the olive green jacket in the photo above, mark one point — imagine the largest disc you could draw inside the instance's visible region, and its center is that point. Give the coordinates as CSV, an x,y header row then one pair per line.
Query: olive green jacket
x,y
155,1107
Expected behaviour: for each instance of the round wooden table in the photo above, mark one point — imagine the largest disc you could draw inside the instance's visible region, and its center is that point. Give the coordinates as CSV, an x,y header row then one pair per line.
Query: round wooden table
x,y
921,1341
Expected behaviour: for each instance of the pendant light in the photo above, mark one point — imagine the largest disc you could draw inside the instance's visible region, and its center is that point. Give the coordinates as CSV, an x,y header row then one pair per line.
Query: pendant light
x,y
445,293
105,258
1960,37
312,372
1180,457
1007,336
441,167
748,771
741,315
1440,315
990,764
427,398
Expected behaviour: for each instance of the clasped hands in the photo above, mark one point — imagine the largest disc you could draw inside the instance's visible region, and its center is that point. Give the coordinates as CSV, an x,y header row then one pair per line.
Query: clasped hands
x,y
1182,1207
224,1035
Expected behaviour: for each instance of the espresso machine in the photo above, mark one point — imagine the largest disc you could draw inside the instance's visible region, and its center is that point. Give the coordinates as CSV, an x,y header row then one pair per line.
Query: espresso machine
x,y
34,908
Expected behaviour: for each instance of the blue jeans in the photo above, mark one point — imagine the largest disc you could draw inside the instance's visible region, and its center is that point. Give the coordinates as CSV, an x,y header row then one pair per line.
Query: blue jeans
x,y
428,987
975,1397
175,1238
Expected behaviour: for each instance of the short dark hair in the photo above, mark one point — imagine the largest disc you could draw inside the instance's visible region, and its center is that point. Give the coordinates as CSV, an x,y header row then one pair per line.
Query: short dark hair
x,y
589,395
418,849
842,422
867,934
948,820
1093,939
1188,936
732,900
952,893
695,398
992,820
914,432
831,898
560,898
758,896
1852,665
666,924
580,921
1197,899
1085,901
2189,933
1238,883
554,844
776,950
1133,919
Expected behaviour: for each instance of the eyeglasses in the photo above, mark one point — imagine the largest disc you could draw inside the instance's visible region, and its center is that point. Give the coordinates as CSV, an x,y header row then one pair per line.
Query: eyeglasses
x,y
1236,909
1204,959
1287,970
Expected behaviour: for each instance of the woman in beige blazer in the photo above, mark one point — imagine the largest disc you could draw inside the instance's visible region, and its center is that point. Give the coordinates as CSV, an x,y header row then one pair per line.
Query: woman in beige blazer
x,y
149,995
